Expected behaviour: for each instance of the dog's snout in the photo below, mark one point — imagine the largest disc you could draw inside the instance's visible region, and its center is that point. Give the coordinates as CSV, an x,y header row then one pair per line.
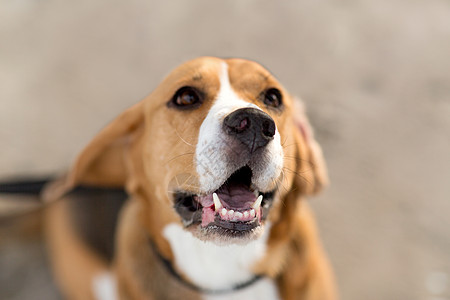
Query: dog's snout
x,y
251,126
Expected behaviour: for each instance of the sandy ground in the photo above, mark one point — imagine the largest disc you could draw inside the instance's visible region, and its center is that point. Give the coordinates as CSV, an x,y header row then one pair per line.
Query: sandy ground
x,y
375,77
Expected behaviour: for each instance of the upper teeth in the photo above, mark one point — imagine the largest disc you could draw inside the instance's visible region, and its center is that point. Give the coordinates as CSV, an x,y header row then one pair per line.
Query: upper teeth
x,y
232,215
257,203
217,203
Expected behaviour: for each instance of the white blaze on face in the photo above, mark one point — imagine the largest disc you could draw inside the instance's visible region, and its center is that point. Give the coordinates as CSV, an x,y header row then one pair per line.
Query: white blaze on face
x,y
212,165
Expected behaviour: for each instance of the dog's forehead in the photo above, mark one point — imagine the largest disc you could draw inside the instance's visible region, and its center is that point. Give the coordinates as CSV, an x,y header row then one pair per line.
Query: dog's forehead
x,y
244,75
248,78
242,70
198,69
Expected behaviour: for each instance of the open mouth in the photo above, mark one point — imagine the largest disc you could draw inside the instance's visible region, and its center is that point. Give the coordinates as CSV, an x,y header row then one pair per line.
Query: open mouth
x,y
235,208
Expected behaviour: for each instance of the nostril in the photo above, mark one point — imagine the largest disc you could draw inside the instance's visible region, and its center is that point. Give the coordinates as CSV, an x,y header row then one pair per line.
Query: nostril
x,y
244,124
237,124
268,128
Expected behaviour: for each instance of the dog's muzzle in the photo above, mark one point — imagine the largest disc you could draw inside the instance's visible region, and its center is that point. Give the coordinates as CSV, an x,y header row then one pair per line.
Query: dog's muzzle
x,y
237,206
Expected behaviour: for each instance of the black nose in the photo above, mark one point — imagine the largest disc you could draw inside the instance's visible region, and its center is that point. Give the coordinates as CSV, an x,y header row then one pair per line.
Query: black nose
x,y
251,126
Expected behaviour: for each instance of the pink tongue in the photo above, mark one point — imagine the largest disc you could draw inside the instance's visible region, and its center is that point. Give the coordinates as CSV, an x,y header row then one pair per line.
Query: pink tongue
x,y
236,196
233,196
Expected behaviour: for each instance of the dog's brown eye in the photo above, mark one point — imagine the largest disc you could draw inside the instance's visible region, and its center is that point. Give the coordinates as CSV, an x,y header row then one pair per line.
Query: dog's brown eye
x,y
272,97
186,97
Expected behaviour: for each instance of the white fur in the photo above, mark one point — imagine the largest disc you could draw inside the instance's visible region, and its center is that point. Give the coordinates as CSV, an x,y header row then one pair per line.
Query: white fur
x,y
211,266
104,287
270,166
264,289
212,164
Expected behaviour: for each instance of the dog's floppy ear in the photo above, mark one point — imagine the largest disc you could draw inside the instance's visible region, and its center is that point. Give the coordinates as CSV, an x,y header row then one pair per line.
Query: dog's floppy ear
x,y
102,162
311,169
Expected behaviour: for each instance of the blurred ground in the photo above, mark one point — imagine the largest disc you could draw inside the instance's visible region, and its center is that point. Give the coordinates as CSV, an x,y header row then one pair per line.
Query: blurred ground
x,y
375,76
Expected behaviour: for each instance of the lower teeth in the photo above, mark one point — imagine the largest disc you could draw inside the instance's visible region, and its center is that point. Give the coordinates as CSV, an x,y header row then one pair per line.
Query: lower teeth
x,y
231,215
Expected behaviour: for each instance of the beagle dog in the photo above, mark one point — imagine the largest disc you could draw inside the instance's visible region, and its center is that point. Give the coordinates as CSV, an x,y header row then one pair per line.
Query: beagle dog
x,y
196,192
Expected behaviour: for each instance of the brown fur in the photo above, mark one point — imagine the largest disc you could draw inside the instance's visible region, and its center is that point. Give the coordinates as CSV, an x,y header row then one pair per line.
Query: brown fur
x,y
148,146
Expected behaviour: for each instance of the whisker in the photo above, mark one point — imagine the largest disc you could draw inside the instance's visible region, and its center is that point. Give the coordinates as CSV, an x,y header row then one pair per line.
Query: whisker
x,y
285,139
280,185
177,156
298,174
311,163
283,179
189,144
289,145
297,159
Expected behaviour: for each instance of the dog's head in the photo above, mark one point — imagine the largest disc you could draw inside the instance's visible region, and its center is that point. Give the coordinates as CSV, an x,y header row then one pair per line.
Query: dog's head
x,y
217,147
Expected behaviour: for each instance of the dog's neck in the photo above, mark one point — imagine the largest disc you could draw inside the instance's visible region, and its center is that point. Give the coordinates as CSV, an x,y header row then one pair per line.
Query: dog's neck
x,y
211,267
170,268
139,261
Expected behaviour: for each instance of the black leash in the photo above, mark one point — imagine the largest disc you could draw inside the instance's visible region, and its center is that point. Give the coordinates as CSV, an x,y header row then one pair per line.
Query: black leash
x,y
196,288
25,187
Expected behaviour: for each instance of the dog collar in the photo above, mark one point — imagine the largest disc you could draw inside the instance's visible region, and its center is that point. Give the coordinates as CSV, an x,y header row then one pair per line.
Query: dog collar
x,y
196,288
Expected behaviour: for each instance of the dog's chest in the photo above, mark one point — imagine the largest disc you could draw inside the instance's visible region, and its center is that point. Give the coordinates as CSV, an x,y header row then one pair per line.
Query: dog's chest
x,y
265,289
214,267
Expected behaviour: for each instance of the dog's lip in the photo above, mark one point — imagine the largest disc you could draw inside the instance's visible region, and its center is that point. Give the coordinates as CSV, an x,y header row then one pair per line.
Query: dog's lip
x,y
234,227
